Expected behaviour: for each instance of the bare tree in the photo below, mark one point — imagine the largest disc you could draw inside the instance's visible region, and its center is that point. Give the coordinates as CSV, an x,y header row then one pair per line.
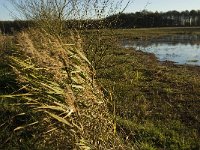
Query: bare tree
x,y
51,14
48,14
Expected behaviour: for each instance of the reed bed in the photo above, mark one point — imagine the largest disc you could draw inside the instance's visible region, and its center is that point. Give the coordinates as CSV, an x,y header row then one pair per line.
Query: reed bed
x,y
48,97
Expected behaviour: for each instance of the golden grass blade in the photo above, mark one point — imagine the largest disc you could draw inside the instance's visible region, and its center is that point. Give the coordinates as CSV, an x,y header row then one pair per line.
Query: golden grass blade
x,y
51,130
74,79
78,87
52,108
22,127
83,57
55,89
15,95
61,105
60,119
22,63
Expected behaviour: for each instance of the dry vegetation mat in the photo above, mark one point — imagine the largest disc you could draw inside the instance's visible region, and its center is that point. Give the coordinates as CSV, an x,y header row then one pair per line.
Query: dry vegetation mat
x,y
48,98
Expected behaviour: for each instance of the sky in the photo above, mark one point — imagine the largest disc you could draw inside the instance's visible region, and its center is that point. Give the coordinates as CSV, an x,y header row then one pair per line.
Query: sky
x,y
164,5
6,10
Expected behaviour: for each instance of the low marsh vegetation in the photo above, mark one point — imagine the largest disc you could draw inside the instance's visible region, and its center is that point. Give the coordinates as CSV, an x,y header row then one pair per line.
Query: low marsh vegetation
x,y
156,104
149,92
151,104
147,33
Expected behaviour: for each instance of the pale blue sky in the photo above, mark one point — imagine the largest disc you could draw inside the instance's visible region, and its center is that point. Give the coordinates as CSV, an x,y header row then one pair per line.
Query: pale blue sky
x,y
164,5
136,5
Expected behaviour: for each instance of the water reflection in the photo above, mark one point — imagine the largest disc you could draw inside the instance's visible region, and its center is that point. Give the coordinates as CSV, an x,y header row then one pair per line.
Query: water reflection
x,y
182,49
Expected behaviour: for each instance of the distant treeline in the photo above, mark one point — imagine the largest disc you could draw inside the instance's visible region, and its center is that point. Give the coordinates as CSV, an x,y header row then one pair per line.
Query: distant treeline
x,y
9,27
157,19
124,20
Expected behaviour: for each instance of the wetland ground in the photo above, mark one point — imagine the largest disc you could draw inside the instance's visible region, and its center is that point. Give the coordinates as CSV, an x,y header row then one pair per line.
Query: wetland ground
x,y
155,103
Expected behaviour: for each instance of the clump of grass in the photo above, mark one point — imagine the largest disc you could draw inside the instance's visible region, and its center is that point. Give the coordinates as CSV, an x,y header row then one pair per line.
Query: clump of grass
x,y
51,99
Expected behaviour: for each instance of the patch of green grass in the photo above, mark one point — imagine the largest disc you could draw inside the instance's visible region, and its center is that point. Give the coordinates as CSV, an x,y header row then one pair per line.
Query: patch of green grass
x,y
145,33
158,135
157,104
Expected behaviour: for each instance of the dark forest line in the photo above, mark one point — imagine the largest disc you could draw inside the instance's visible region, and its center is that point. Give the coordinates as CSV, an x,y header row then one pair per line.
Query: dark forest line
x,y
143,19
158,19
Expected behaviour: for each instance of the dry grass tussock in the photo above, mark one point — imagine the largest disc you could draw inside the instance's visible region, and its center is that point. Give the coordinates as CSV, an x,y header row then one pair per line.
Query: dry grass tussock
x,y
55,92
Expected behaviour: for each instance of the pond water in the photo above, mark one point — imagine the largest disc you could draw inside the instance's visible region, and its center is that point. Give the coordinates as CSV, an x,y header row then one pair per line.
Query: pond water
x,y
181,49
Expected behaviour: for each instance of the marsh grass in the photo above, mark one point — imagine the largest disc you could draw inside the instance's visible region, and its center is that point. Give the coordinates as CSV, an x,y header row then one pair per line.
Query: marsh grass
x,y
156,103
48,97
146,33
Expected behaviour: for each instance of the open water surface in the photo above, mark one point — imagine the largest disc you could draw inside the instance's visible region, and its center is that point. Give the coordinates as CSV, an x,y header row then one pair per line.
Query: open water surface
x,y
181,49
